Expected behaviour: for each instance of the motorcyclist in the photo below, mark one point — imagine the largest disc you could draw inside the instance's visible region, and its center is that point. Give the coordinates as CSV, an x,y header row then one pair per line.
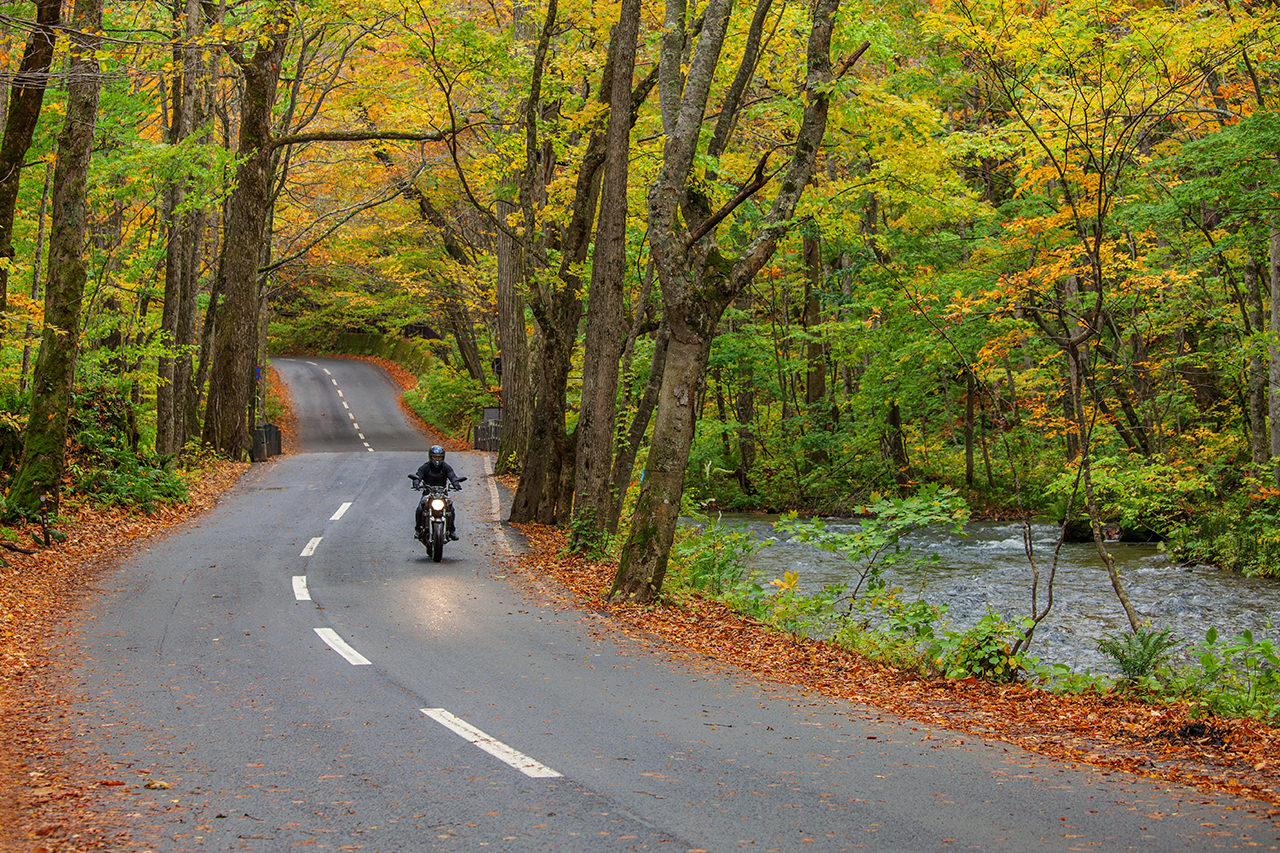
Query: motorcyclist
x,y
436,472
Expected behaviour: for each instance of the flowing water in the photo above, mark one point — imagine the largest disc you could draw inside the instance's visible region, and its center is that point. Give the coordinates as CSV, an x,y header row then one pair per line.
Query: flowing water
x,y
987,567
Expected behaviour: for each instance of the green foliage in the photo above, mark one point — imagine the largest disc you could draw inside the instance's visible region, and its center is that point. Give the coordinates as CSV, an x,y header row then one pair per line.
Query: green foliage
x,y
1238,677
111,467
984,651
448,399
1142,496
712,558
876,543
1138,654
1241,531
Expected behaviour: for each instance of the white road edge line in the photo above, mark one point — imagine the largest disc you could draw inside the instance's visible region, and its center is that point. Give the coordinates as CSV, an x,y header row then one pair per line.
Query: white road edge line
x,y
341,646
300,591
497,506
311,547
497,749
342,510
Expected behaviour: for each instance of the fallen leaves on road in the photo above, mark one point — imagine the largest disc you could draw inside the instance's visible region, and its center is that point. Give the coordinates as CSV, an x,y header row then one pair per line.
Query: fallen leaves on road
x,y
43,780
1103,730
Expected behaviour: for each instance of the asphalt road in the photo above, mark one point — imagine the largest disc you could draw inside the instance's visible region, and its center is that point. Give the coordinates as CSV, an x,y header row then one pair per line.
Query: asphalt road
x,y
291,671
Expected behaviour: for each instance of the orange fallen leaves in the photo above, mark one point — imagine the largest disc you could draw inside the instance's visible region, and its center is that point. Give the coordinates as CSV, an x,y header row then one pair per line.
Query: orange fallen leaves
x,y
40,791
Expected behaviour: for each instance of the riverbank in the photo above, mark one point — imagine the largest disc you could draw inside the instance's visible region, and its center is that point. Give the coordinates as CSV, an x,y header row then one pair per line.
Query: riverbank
x,y
1108,731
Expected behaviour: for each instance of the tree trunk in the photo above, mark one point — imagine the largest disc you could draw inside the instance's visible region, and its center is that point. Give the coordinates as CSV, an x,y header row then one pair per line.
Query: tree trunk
x,y
969,393
1259,444
44,450
231,379
1273,398
25,101
592,496
625,461
698,282
513,351
644,559
181,96
815,380
28,333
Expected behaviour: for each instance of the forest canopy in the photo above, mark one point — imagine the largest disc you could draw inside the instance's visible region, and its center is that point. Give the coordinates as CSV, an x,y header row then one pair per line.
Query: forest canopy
x,y
774,256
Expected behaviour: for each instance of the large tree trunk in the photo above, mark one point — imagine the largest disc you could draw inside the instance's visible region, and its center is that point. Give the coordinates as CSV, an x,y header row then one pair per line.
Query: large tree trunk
x,y
231,378
697,281
1273,399
44,450
593,496
625,461
644,559
513,350
25,102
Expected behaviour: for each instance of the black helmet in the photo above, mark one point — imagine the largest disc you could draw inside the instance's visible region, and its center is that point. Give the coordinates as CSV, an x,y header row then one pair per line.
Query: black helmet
x,y
437,456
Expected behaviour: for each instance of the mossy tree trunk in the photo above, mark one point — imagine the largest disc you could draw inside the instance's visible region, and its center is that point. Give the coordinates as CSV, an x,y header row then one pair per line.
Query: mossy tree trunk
x,y
231,378
44,450
698,281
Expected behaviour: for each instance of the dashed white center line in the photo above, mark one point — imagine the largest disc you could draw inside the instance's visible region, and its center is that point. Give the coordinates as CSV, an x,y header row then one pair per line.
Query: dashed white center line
x,y
351,415
361,436
311,547
354,425
334,381
340,394
342,510
344,405
497,749
341,646
300,591
325,369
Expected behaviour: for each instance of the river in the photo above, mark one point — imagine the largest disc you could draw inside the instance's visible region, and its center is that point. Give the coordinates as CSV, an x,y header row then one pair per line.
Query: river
x,y
987,567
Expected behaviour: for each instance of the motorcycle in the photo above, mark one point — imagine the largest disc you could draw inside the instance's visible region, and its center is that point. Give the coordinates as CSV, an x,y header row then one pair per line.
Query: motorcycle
x,y
434,509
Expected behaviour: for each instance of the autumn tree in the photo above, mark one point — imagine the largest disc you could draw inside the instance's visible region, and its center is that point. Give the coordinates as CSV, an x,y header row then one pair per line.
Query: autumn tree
x,y
26,98
39,475
699,275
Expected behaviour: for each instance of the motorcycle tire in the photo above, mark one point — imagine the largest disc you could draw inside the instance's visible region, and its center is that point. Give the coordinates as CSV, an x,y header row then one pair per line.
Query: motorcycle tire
x,y
436,543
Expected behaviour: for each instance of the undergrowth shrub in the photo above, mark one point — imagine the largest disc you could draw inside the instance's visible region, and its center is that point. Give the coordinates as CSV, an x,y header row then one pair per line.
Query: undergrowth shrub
x,y
1139,654
111,466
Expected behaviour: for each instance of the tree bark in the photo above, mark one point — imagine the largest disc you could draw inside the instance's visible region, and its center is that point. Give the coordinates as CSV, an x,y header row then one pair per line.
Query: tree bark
x,y
170,421
44,450
231,378
1273,398
513,350
698,282
1259,443
593,496
25,101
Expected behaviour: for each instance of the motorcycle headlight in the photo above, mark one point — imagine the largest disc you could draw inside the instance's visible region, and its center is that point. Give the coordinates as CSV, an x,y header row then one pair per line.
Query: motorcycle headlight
x,y
437,504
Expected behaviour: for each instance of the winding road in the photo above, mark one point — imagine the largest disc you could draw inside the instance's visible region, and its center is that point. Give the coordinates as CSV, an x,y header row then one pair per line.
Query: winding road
x,y
291,671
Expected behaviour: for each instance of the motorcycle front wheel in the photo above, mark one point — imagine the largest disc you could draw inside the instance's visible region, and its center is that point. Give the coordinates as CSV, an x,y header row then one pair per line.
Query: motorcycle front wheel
x,y
436,543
